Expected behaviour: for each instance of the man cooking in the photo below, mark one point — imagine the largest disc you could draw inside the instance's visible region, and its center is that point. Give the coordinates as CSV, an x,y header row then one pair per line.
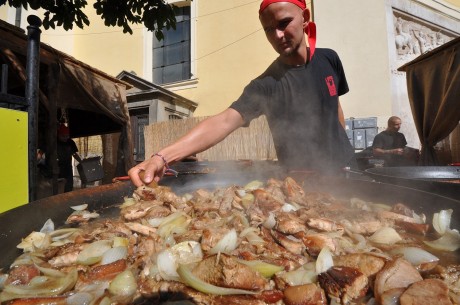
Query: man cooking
x,y
390,145
298,93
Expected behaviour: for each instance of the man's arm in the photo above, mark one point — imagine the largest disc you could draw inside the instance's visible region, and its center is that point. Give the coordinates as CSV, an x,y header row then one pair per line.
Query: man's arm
x,y
341,116
203,136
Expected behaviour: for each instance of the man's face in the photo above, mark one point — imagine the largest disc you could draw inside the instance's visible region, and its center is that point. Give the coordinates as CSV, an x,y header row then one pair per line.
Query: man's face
x,y
283,24
395,125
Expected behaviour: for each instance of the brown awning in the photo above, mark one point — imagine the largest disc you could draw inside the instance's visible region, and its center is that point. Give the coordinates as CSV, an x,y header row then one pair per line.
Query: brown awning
x,y
433,85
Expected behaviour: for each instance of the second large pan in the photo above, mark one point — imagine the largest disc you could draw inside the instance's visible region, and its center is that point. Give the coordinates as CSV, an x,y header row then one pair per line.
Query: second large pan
x,y
442,180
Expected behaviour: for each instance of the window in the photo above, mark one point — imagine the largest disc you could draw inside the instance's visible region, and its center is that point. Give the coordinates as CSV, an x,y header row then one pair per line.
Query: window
x,y
138,122
171,56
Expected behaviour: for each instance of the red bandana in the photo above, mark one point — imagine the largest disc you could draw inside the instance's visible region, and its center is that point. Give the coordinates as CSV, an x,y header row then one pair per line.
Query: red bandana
x,y
265,3
311,27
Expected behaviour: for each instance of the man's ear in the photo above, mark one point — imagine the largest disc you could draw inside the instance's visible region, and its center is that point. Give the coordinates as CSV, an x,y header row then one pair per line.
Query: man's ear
x,y
306,16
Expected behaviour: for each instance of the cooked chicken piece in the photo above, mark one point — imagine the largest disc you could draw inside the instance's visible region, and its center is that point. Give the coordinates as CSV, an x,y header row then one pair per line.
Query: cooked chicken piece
x,y
429,291
21,275
315,242
158,211
344,283
293,191
160,193
279,255
361,225
104,272
192,235
324,224
226,201
289,223
392,216
265,201
309,294
156,292
391,297
318,199
274,188
397,273
289,242
402,209
212,236
139,228
64,260
410,227
368,263
225,271
138,210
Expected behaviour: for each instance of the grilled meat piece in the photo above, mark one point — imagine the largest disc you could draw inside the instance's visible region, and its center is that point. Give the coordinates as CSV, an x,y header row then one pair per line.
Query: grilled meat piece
x,y
291,244
429,291
21,275
344,283
397,273
289,223
308,294
315,242
324,224
225,271
367,263
293,191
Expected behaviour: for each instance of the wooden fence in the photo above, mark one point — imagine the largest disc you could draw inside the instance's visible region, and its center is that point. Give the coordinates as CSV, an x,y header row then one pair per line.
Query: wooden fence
x,y
248,143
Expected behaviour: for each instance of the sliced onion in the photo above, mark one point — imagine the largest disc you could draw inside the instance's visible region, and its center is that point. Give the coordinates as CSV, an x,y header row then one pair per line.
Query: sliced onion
x,y
124,285
195,282
80,207
288,208
450,241
35,240
127,202
50,271
441,221
270,222
119,241
80,298
247,200
93,252
48,227
172,223
114,254
265,269
186,252
306,274
241,193
227,244
63,233
324,260
416,256
385,235
253,185
51,287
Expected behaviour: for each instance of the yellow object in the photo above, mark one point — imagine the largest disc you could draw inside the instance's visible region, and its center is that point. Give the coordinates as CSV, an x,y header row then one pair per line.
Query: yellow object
x,y
14,184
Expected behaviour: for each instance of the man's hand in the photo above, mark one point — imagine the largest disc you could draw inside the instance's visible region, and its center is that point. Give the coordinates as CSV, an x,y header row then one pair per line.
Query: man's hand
x,y
150,170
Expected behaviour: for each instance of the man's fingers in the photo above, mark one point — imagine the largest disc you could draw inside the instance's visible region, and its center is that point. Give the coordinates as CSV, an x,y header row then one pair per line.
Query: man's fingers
x,y
134,174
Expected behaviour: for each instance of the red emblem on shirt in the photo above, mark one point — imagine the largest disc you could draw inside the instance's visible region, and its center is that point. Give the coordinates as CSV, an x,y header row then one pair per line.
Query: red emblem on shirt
x,y
331,85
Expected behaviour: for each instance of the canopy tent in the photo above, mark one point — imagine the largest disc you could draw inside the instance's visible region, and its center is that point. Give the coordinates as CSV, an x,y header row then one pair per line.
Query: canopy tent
x,y
433,84
93,102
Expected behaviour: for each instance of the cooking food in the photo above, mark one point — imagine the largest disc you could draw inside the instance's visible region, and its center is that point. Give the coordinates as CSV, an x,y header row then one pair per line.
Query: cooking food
x,y
262,243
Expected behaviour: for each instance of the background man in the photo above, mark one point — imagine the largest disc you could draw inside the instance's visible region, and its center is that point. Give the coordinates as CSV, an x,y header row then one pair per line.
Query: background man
x,y
390,145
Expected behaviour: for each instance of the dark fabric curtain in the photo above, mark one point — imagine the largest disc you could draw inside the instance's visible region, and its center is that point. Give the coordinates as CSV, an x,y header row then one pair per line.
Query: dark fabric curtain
x,y
433,83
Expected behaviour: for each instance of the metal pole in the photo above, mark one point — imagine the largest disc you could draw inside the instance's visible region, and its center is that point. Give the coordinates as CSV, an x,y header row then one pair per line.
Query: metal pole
x,y
32,90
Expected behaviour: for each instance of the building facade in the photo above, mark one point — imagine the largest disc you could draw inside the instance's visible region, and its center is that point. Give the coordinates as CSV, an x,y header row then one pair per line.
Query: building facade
x,y
220,46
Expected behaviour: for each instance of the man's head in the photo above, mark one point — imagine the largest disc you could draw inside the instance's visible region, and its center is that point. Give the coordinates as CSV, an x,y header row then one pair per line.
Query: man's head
x,y
284,23
394,124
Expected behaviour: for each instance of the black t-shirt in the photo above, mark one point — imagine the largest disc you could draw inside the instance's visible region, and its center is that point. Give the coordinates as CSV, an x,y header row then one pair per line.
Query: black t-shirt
x,y
65,151
301,106
390,140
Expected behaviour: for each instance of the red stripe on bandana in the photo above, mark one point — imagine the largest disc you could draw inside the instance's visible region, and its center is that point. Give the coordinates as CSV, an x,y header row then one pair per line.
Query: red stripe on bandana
x,y
265,3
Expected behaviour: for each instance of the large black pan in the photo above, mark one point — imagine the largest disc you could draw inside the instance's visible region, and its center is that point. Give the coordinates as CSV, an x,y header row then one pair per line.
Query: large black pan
x,y
442,180
19,222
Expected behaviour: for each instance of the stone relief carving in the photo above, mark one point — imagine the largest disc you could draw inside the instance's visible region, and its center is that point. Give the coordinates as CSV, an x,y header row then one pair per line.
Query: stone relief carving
x,y
414,38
